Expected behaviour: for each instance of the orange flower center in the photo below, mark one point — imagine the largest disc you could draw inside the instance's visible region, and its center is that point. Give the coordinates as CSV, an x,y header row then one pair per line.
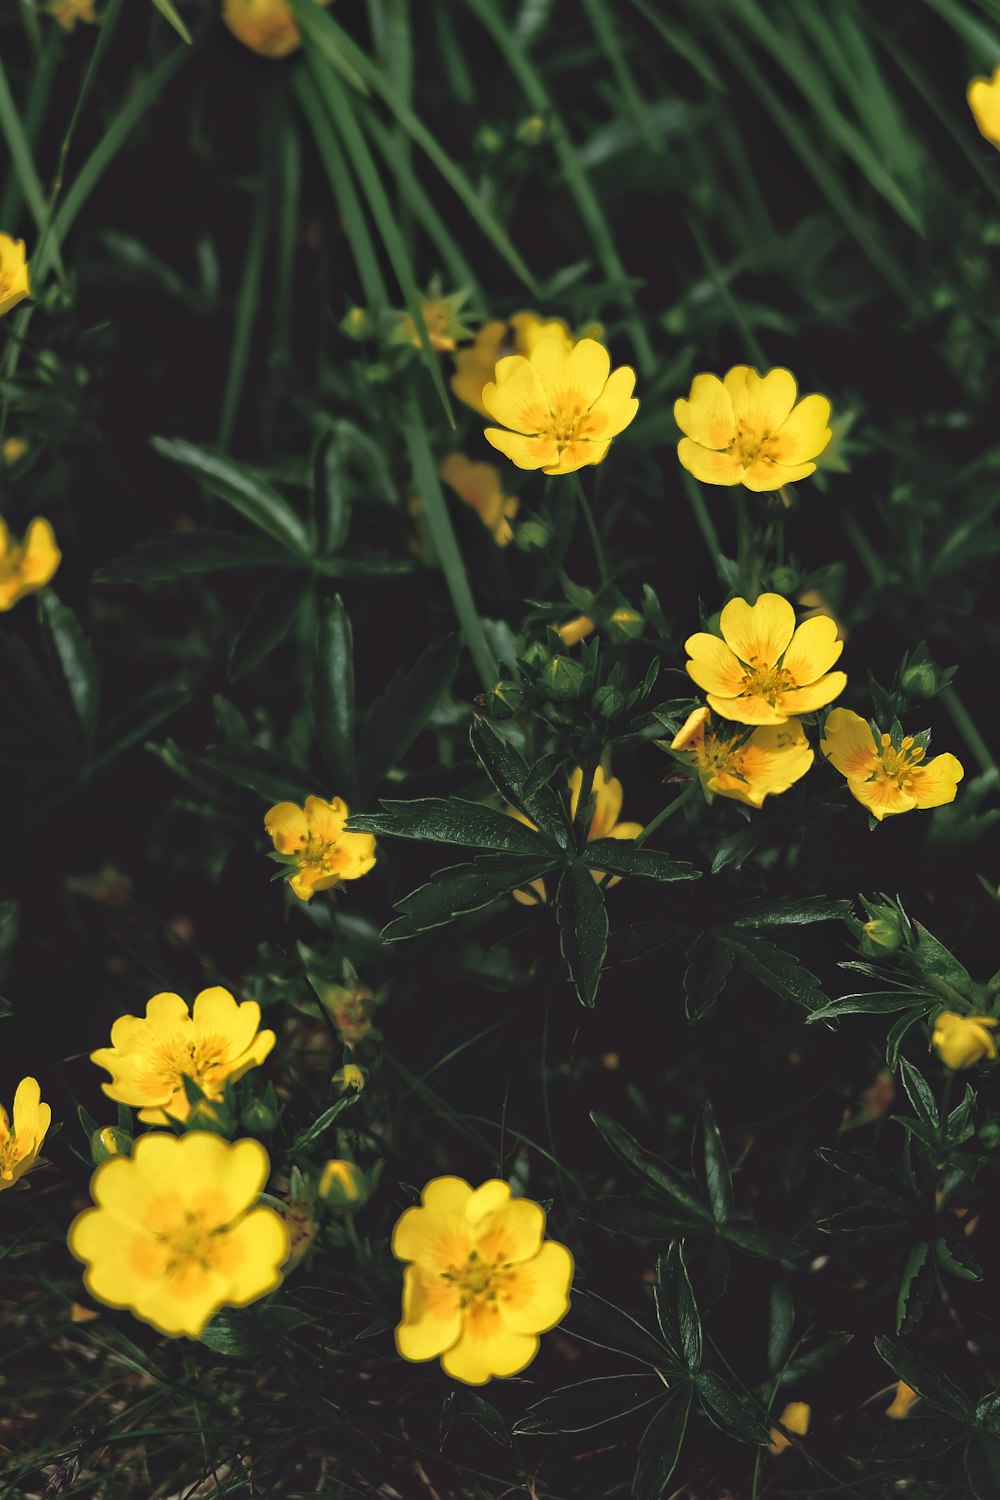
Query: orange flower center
x,y
896,765
203,1061
748,446
763,681
716,756
481,1283
319,853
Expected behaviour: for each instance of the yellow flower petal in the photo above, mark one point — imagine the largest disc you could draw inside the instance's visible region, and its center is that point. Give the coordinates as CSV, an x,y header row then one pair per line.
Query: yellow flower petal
x,y
934,784
758,634
813,649
288,827
577,455
983,95
517,397
747,710
713,666
708,466
806,700
763,474
15,281
587,368
883,799
488,1347
260,1239
432,1318
707,415
760,404
325,819
847,743
614,408
525,452
537,1296
427,1234
804,433
511,1232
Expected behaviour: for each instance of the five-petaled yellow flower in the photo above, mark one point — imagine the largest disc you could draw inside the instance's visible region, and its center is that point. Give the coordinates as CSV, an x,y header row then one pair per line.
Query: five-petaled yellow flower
x,y
563,406
482,1282
177,1232
474,367
983,95
26,566
901,1401
604,824
15,282
67,12
746,767
748,430
884,777
150,1056
440,314
20,1143
313,839
795,1417
265,26
481,487
962,1041
764,671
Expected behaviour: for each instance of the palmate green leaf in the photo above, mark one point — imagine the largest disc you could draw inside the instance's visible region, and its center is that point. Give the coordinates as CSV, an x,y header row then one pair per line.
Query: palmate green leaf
x,y
712,1165
621,857
332,697
650,1169
676,1310
734,1412
660,1446
915,1288
242,489
583,929
271,618
597,1321
788,911
251,1332
452,820
460,889
511,775
74,656
396,718
709,964
920,1095
931,1384
589,1404
778,971
188,554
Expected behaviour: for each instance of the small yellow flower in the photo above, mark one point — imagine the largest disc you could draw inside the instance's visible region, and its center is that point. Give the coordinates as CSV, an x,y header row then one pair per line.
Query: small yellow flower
x,y
747,768
482,1282
350,1076
882,777
764,671
576,630
350,1010
796,1418
26,567
481,487
149,1057
983,95
748,430
564,406
15,282
962,1041
440,314
176,1233
604,824
313,838
342,1184
19,1146
14,449
265,26
902,1401
68,12
474,367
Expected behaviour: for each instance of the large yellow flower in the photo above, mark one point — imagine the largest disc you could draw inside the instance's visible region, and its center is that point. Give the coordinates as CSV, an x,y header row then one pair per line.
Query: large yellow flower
x,y
748,430
314,840
176,1234
884,777
15,282
26,567
150,1057
480,486
20,1145
265,26
474,367
983,95
962,1041
482,1283
604,824
563,405
747,768
764,670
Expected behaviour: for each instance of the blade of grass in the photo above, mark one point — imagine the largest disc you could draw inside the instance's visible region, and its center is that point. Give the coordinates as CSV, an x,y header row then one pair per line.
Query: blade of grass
x,y
606,32
984,42
684,45
247,303
31,122
24,166
286,176
726,296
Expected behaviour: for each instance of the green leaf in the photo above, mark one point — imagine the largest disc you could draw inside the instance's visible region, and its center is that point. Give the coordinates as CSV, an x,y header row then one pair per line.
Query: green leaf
x,y
934,958
485,1416
915,1288
240,488
779,971
717,1175
330,492
333,693
933,1386
676,1310
651,1169
781,1322
398,716
596,1321
755,1240
709,964
621,857
954,1256
813,1354
169,13
641,1218
734,1413
269,621
74,654
583,929
660,1445
144,713
510,774
190,553
589,1404
982,1465
460,889
877,1002
251,1332
451,820
920,1095
788,911
874,1180
270,776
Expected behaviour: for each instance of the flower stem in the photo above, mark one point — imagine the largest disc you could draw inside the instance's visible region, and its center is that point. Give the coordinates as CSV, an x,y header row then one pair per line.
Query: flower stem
x,y
667,812
967,729
706,526
595,535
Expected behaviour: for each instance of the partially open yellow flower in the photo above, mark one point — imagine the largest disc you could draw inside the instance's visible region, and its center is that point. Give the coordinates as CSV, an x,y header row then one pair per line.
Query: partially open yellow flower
x,y
480,486
962,1041
901,1401
576,630
563,405
483,1283
604,824
884,777
342,1184
795,1417
265,26
20,1143
747,429
764,671
15,282
26,567
983,95
150,1057
440,314
474,367
176,1234
68,12
747,768
314,840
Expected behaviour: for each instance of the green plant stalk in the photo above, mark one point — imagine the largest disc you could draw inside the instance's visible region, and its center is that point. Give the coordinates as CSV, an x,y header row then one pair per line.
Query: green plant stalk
x,y
963,722
24,173
705,525
595,535
667,812
247,303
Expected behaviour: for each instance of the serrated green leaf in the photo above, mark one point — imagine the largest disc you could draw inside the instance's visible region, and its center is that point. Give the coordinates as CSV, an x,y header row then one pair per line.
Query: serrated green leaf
x,y
589,1404
452,820
75,657
266,626
709,964
915,1288
714,1164
788,911
651,1169
920,1095
734,1413
933,1386
621,857
459,890
676,1309
598,1321
510,774
583,929
271,776
778,971
661,1443
240,488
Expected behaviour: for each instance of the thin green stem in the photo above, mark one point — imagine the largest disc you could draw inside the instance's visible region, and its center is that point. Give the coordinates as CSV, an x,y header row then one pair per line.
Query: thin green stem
x,y
963,722
706,526
595,535
668,812
863,547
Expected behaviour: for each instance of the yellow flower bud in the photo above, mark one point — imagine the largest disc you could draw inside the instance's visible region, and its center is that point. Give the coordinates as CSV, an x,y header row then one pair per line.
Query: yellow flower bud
x,y
14,450
576,630
15,281
902,1401
342,1185
109,1142
881,936
796,1418
962,1041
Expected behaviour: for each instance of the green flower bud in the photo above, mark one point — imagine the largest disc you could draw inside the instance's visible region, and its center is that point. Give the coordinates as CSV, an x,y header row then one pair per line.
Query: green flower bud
x,y
608,702
342,1184
881,936
920,679
562,679
108,1142
506,698
532,536
785,580
259,1117
488,139
624,625
535,657
531,132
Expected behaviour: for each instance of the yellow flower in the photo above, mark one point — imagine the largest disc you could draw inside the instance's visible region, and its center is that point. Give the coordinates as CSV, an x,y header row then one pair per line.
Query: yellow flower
x,y
176,1234
314,840
440,314
68,12
764,671
883,777
962,1041
747,768
350,1076
748,430
265,26
19,1146
576,630
350,1011
482,1283
604,824
796,1418
474,367
26,567
150,1056
15,283
983,95
902,1401
342,1185
14,449
480,486
564,405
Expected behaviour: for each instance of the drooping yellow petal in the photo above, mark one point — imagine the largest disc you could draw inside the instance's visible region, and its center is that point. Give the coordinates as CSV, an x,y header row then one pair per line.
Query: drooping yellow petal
x,y
763,474
804,433
707,415
806,700
577,455
962,1041
934,784
758,634
813,650
746,710
760,404
707,465
516,397
525,452
847,743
